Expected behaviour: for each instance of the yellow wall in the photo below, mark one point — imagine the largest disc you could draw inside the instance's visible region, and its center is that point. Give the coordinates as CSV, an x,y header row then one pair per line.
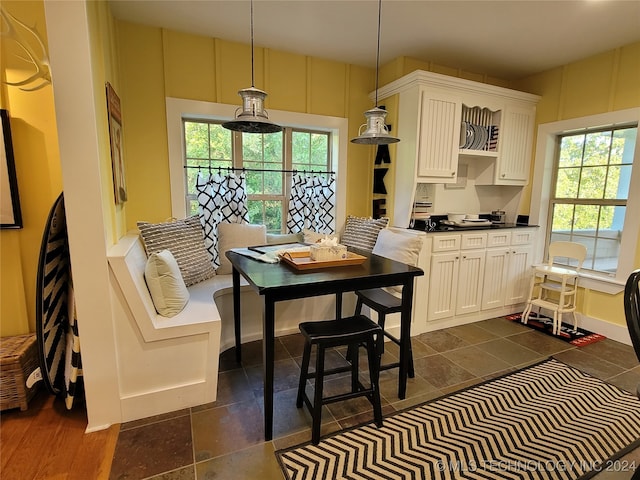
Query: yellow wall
x,y
602,83
157,63
35,143
38,167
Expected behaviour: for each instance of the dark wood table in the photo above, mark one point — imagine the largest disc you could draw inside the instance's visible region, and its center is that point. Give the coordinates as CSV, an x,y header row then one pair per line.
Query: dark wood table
x,y
279,281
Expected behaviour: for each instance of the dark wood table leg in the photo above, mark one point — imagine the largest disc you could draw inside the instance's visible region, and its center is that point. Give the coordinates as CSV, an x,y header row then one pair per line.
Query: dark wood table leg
x,y
268,340
235,276
405,336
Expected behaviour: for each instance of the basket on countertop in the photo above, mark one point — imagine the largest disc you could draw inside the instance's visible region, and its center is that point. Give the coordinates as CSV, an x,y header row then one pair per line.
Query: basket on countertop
x,y
18,359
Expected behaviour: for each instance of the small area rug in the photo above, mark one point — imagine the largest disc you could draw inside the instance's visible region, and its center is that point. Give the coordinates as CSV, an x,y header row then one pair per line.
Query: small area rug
x,y
578,337
548,421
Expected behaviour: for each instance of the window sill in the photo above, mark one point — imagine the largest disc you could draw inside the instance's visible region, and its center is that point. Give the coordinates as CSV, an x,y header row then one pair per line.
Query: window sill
x,y
609,285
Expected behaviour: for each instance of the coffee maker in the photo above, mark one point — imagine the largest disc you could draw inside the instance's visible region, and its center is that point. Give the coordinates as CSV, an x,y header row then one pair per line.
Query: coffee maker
x,y
498,216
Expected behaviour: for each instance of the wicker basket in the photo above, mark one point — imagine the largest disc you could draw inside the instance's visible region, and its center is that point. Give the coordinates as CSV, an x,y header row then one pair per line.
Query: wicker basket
x,y
18,359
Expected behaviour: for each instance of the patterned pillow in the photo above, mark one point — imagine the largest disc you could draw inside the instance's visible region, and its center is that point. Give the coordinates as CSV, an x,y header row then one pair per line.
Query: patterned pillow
x,y
183,238
360,232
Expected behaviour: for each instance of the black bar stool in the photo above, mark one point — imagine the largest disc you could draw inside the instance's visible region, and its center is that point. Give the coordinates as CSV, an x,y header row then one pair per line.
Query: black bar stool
x,y
383,303
351,331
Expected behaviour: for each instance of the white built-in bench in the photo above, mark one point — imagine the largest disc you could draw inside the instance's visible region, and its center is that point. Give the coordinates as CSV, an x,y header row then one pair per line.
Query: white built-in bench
x,y
166,364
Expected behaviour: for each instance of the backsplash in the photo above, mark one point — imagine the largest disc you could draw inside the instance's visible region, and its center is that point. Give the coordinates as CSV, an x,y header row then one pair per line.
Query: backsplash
x,y
467,197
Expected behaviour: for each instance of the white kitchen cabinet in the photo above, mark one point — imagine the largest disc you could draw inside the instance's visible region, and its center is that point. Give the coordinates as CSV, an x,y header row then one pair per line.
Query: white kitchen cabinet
x,y
513,162
430,110
495,277
507,269
439,137
473,275
455,279
443,285
518,273
470,277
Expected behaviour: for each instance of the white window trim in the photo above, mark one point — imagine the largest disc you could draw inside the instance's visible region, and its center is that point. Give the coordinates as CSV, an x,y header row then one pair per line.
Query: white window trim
x,y
541,193
179,108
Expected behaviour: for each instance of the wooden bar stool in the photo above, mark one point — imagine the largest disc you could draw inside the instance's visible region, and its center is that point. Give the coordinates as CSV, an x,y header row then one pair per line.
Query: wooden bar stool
x,y
352,331
383,303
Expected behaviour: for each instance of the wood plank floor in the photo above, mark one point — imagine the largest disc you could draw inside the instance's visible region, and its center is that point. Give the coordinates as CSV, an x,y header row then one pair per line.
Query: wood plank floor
x,y
48,442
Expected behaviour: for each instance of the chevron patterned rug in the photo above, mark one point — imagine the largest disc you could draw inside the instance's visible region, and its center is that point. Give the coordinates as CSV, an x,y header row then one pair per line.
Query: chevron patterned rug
x,y
548,421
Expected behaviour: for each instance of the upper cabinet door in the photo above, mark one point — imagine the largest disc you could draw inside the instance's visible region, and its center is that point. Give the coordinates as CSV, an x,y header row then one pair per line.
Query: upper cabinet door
x,y
439,137
516,138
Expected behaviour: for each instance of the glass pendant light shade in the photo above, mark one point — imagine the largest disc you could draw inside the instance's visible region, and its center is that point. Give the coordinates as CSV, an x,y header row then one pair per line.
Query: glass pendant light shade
x,y
376,132
252,117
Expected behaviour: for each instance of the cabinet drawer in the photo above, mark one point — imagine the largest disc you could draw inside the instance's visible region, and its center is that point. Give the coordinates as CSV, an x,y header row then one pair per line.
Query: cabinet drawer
x,y
473,240
501,238
522,237
446,243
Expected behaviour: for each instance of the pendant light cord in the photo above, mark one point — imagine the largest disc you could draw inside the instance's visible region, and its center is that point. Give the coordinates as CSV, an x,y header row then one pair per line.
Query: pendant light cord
x,y
252,75
378,49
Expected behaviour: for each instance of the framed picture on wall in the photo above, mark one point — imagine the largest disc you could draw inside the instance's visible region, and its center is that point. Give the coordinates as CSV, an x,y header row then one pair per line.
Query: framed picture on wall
x,y
10,214
116,138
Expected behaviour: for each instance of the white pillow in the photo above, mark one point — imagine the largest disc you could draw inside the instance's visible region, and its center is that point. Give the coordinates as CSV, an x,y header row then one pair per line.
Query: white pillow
x,y
237,235
398,247
166,286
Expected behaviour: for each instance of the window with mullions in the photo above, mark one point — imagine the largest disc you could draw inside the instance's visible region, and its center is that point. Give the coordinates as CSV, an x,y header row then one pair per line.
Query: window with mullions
x,y
267,159
588,205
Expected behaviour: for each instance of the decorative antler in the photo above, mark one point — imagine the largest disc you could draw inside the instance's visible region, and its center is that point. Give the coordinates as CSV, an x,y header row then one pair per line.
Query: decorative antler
x,y
12,28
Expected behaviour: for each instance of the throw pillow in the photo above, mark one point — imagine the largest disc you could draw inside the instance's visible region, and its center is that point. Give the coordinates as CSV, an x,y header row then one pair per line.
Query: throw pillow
x,y
165,283
184,239
237,235
398,247
360,232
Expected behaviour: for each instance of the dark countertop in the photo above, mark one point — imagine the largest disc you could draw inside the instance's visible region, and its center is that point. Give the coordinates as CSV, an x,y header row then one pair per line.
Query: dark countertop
x,y
440,227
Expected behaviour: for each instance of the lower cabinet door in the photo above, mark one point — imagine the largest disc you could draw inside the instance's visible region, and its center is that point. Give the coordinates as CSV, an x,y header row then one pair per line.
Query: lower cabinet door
x,y
495,275
443,281
518,275
470,278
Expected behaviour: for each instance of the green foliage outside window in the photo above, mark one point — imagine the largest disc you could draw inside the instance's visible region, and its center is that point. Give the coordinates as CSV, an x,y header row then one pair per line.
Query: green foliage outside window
x,y
208,145
591,189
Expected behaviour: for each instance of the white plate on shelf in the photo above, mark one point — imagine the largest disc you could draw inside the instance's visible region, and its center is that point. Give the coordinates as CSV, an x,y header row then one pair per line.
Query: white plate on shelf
x,y
466,135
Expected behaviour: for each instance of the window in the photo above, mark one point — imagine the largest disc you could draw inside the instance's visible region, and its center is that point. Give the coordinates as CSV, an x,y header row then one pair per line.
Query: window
x,y
264,156
593,174
585,189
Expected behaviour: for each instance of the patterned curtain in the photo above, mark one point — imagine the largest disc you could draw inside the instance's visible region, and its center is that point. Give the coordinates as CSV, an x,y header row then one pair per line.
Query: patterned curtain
x,y
312,204
221,198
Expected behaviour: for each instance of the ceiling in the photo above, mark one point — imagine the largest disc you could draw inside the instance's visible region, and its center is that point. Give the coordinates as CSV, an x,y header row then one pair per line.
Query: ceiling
x,y
507,39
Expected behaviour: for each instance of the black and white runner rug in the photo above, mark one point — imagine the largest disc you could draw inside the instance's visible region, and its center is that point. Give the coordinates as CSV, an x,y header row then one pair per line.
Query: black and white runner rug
x,y
547,421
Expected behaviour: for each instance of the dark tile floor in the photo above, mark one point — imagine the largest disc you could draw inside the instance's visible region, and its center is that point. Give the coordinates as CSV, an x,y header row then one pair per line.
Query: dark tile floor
x,y
224,440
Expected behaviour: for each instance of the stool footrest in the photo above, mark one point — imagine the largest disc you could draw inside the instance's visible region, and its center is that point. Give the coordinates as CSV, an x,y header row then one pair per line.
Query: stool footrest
x,y
348,395
332,371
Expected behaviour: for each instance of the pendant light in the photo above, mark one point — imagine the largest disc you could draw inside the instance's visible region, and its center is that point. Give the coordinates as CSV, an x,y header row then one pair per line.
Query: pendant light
x,y
252,117
376,132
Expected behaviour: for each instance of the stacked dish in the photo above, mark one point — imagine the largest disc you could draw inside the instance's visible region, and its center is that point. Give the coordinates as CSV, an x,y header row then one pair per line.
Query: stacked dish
x,y
478,137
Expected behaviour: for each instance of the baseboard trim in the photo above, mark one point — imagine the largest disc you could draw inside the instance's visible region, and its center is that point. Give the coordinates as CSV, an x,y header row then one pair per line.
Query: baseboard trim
x,y
170,399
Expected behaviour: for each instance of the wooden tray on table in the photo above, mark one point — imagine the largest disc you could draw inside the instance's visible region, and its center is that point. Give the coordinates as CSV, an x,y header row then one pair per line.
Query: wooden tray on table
x,y
304,262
